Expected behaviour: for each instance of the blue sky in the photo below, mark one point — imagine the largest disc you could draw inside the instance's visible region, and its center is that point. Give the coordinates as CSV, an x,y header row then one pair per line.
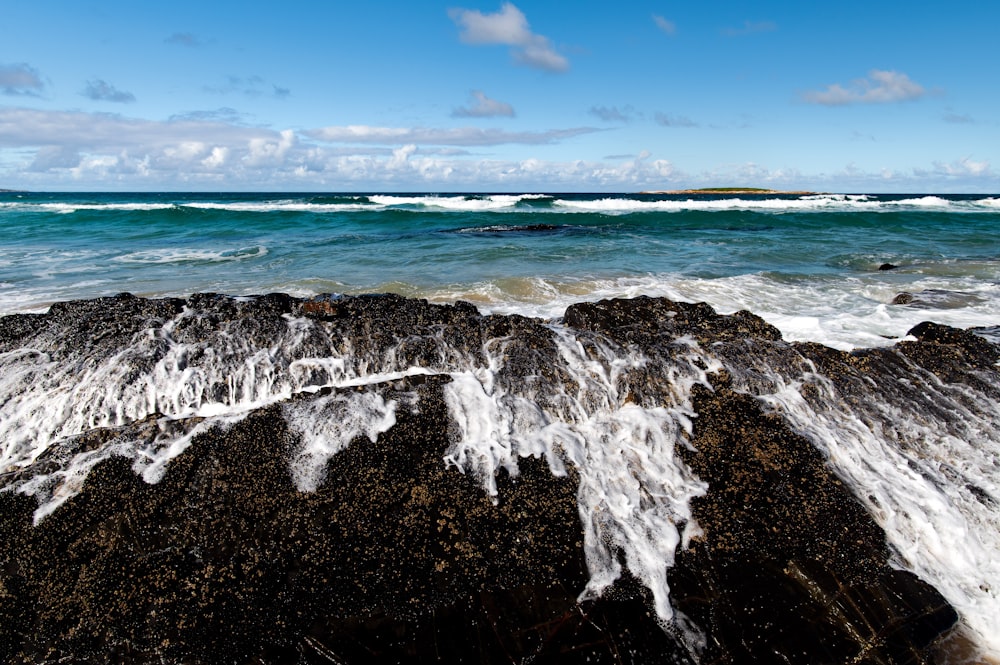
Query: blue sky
x,y
876,96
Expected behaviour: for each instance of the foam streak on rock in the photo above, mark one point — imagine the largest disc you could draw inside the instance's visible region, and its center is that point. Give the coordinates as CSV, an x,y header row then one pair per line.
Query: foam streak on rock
x,y
921,454
625,402
634,492
329,424
178,374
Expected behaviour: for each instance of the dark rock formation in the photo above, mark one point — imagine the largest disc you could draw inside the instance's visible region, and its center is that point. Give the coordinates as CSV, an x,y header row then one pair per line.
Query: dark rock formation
x,y
937,299
397,557
773,579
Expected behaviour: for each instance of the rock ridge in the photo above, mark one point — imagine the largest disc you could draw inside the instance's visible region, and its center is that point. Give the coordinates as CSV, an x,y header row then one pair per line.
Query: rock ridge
x,y
397,556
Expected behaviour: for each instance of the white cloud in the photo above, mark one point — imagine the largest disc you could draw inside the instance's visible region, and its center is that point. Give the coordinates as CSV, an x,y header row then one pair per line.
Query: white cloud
x,y
400,157
962,168
104,149
53,149
97,151
267,151
461,136
76,150
509,27
667,26
23,127
102,91
20,79
880,87
217,158
484,107
186,151
54,157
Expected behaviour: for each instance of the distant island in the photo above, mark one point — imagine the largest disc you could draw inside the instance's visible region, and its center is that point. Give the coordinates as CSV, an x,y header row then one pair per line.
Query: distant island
x,y
730,190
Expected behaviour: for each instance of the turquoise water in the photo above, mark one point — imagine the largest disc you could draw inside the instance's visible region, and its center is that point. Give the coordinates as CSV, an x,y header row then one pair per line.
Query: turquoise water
x,y
808,264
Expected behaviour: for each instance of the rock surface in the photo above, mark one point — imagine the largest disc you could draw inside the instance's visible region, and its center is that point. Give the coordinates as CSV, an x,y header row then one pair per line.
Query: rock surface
x,y
937,299
397,556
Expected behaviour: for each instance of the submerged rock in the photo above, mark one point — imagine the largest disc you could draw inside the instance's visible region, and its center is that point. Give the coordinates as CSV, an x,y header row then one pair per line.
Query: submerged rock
x,y
403,482
937,299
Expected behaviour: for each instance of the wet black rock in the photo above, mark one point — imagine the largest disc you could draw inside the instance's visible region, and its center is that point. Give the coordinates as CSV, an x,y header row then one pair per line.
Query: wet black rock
x,y
937,299
791,568
398,558
646,319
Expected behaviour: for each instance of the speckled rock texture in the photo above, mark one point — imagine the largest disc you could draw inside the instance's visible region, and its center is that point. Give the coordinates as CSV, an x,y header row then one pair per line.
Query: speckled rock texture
x,y
399,558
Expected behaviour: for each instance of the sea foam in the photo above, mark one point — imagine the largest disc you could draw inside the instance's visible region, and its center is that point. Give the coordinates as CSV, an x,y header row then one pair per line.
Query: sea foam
x,y
931,483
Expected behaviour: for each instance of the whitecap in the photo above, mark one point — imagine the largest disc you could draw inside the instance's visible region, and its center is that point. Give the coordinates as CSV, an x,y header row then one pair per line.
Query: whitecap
x,y
284,206
65,208
457,203
168,256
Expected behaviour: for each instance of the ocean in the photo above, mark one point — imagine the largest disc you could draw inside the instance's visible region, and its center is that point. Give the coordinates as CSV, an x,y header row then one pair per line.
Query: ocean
x,y
807,264
847,271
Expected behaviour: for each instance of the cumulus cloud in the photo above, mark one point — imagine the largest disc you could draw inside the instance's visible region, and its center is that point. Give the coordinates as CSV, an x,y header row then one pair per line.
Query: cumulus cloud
x,y
54,157
74,149
509,27
965,167
751,28
103,148
198,152
461,136
670,120
401,157
102,91
20,79
667,26
482,106
880,87
961,175
264,150
216,158
613,113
